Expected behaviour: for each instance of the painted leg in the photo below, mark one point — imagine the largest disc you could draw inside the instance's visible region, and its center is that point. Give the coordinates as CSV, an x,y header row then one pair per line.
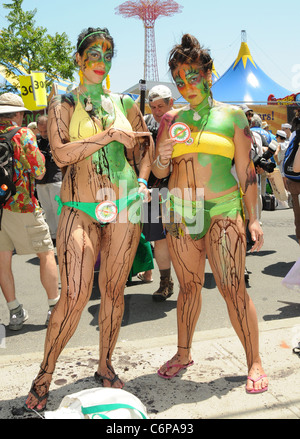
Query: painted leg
x,y
118,247
188,259
77,247
226,252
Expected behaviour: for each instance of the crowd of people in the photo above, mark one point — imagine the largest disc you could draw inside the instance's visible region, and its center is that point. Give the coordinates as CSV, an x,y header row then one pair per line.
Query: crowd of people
x,y
192,171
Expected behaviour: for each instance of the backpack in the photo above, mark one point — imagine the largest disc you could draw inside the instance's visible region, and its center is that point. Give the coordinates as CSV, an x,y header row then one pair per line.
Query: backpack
x,y
7,186
289,157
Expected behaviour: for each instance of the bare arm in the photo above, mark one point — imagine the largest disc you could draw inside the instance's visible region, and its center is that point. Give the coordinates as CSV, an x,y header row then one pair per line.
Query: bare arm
x,y
247,177
164,148
143,152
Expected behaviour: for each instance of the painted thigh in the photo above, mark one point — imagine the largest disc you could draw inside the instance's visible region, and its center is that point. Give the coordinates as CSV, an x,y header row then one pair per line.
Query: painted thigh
x,y
188,259
78,243
225,244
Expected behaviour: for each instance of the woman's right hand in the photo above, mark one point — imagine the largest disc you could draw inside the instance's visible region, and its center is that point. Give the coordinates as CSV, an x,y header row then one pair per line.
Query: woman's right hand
x,y
165,149
127,138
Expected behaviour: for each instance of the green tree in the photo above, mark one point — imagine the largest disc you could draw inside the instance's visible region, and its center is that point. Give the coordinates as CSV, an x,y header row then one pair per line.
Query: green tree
x,y
25,46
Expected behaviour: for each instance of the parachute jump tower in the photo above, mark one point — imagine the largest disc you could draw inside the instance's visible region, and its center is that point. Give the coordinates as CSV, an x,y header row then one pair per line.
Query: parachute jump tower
x,y
149,11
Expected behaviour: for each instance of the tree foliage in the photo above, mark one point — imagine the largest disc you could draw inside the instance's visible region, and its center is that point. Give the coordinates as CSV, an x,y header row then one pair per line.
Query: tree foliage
x,y
25,46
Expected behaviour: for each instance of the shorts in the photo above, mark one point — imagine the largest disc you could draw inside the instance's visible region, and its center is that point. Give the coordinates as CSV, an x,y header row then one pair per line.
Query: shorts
x,y
26,233
153,228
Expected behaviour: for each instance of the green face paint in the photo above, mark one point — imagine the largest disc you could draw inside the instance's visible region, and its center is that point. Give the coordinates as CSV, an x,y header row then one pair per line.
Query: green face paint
x,y
191,84
98,58
96,62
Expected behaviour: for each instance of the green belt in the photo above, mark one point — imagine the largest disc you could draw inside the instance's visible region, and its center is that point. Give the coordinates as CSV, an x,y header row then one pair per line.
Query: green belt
x,y
97,210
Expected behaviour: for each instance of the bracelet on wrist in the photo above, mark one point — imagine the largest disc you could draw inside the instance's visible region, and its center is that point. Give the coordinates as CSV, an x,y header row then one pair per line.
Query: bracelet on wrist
x,y
160,165
142,180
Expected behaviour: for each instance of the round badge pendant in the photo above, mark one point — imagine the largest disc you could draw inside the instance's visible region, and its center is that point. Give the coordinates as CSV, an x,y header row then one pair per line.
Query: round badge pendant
x,y
106,212
180,132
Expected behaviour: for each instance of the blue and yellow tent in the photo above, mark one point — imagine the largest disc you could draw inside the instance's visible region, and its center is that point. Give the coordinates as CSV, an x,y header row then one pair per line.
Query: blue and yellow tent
x,y
245,82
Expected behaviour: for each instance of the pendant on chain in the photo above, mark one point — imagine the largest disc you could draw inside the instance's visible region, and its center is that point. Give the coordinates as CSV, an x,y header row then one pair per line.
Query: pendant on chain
x,y
89,105
196,116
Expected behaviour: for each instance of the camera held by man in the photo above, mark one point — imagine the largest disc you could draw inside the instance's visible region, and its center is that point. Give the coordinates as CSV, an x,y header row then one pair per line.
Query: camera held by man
x,y
263,160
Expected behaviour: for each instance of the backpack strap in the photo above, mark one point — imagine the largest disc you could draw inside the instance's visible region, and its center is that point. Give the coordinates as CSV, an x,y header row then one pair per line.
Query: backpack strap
x,y
8,136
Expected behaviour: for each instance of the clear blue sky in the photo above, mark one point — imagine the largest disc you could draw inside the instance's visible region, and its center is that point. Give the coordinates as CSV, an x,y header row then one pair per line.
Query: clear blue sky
x,y
272,28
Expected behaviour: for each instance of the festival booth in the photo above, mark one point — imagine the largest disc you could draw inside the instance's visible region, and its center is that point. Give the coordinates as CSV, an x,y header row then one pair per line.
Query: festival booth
x,y
245,83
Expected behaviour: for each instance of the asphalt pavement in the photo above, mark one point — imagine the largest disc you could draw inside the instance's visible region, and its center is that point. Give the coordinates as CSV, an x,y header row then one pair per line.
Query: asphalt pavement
x,y
214,387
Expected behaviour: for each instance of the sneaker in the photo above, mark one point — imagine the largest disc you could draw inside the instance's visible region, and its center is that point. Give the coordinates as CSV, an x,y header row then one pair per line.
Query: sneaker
x,y
49,314
17,317
164,291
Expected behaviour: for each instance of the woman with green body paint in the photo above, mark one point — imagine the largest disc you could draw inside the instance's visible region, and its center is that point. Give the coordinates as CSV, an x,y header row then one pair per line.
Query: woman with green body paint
x,y
196,145
101,141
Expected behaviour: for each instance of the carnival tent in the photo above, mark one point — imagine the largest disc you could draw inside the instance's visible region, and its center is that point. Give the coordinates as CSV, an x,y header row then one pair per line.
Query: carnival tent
x,y
245,82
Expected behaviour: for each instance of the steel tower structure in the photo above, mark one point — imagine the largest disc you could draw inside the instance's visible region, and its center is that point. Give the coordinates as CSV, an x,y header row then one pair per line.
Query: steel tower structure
x,y
149,11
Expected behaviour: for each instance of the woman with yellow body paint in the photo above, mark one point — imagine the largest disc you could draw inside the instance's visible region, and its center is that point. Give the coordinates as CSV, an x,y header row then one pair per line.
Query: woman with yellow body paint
x,y
196,145
100,139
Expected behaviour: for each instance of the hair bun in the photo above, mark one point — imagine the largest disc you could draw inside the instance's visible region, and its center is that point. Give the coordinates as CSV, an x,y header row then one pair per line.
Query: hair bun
x,y
189,42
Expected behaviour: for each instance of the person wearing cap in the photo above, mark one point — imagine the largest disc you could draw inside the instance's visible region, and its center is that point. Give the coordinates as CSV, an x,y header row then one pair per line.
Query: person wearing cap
x,y
265,126
256,125
33,127
287,128
23,228
281,138
160,101
248,112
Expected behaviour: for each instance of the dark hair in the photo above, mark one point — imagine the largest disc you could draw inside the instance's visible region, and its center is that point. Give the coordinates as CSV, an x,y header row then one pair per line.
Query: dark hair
x,y
190,51
87,36
296,121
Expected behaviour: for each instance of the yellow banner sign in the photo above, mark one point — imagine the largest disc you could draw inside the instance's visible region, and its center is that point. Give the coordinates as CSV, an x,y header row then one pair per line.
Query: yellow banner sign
x,y
39,88
33,91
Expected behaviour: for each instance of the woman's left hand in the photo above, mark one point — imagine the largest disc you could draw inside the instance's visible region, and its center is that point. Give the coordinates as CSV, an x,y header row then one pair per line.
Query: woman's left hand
x,y
257,235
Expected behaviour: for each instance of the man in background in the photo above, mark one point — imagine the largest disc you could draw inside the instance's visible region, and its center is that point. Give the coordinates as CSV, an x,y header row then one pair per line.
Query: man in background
x,y
160,101
23,228
49,186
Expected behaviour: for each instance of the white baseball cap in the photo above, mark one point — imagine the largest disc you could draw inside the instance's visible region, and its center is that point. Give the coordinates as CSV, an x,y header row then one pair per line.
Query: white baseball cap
x,y
281,133
286,125
159,92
